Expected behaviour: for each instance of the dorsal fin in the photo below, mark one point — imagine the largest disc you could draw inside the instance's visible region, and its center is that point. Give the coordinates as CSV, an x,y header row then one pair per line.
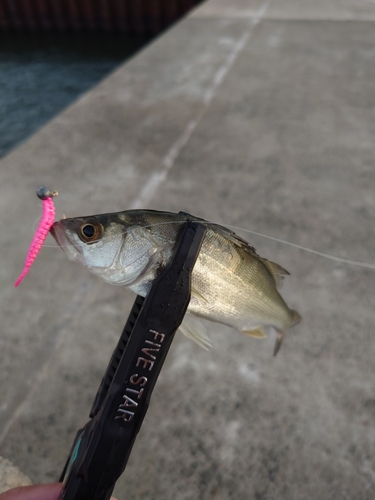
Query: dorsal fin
x,y
276,271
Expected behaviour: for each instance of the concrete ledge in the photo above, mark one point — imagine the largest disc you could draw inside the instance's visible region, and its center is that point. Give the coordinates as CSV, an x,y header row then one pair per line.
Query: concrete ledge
x,y
319,10
258,122
11,476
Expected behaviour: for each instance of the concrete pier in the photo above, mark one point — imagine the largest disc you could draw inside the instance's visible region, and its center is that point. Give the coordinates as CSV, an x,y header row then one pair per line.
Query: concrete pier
x,y
256,114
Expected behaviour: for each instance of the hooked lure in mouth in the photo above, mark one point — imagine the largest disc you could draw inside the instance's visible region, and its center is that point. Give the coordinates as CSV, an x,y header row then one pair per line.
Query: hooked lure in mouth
x,y
231,283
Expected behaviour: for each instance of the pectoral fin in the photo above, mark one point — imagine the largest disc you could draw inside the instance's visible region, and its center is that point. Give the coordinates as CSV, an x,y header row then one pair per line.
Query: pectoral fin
x,y
193,328
198,295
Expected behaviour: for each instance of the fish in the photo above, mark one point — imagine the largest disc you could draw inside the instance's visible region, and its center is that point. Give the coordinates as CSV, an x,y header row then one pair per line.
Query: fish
x,y
231,284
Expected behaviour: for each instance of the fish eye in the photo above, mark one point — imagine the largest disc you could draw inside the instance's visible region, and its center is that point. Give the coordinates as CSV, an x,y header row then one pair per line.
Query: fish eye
x,y
90,232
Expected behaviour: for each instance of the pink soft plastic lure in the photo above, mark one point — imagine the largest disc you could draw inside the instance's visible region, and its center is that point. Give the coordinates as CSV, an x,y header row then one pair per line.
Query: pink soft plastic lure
x,y
48,218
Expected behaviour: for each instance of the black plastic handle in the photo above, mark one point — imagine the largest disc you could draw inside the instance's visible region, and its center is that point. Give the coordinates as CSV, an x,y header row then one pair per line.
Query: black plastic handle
x,y
102,447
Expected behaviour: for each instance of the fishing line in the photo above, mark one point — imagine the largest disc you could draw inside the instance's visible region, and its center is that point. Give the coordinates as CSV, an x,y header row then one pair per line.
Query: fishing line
x,y
309,250
356,263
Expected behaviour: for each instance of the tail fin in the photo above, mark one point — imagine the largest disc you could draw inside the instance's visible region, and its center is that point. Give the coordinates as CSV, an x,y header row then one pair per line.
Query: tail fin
x,y
296,318
279,341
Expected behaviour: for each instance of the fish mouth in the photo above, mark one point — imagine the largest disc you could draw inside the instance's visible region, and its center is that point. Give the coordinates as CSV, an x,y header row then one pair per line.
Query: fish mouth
x,y
65,243
58,233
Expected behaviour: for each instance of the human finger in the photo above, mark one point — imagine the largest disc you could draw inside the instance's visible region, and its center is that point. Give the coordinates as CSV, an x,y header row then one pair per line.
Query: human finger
x,y
38,492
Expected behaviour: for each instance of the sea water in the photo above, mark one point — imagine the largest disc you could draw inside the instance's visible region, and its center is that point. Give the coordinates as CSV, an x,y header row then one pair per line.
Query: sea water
x,y
41,74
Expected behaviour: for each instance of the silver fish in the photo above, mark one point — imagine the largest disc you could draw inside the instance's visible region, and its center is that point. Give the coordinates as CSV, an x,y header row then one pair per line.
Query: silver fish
x,y
231,283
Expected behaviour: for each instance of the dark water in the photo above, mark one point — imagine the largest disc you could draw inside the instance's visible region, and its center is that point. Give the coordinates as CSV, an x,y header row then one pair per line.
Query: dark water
x,y
42,74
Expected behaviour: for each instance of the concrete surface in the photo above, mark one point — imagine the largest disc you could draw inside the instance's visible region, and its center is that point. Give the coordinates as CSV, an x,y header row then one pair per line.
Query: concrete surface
x,y
11,476
261,115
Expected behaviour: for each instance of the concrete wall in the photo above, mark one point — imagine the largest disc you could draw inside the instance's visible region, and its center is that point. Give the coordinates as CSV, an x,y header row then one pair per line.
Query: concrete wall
x,y
134,16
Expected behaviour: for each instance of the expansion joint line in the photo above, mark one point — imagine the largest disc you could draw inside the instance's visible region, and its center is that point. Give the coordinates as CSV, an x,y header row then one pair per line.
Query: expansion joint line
x,y
158,177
